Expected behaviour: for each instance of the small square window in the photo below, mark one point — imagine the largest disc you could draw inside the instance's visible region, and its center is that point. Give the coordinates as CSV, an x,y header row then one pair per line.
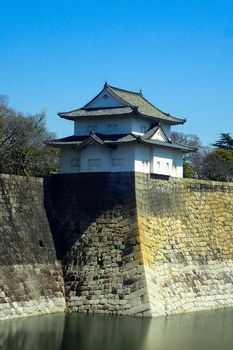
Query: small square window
x,y
114,162
117,161
120,161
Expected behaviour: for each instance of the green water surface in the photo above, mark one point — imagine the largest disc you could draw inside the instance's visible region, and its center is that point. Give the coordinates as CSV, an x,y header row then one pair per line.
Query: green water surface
x,y
207,330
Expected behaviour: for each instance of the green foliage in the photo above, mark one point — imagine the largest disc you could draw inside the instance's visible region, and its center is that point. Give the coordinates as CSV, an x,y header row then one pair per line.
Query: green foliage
x,y
208,163
225,142
189,171
218,165
22,143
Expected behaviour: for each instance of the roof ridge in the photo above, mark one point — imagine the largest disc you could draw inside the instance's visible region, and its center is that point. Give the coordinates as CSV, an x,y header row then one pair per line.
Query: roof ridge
x,y
141,95
124,90
114,95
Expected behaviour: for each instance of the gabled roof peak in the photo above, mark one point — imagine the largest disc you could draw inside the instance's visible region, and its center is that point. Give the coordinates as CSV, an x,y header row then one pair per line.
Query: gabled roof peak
x,y
106,85
121,102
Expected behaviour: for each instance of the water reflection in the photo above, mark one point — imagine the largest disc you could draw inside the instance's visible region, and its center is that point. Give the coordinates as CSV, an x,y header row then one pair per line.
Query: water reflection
x,y
203,330
32,333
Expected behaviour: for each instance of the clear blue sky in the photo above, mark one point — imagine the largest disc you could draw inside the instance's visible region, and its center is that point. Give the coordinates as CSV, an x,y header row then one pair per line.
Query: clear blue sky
x,y
57,55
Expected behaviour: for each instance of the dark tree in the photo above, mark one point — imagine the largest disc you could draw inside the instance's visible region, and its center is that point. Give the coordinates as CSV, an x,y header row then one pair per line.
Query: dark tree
x,y
225,142
218,165
22,143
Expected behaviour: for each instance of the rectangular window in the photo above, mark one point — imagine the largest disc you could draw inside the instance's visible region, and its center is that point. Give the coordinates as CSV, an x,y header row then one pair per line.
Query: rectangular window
x,y
92,128
117,162
113,128
120,161
114,162
94,163
75,163
168,165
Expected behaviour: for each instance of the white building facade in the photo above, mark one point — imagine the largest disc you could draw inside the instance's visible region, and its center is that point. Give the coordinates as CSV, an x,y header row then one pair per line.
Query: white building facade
x,y
120,131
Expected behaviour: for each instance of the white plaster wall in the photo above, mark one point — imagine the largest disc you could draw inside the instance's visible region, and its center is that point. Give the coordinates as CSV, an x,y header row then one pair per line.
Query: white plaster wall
x,y
95,152
142,159
125,125
66,156
167,162
177,168
162,161
125,152
137,123
134,157
102,102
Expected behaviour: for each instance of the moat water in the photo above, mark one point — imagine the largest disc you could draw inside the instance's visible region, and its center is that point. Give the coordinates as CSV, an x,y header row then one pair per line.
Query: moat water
x,y
207,330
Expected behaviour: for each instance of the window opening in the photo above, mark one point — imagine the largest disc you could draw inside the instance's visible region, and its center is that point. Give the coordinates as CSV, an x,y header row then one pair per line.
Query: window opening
x,y
94,163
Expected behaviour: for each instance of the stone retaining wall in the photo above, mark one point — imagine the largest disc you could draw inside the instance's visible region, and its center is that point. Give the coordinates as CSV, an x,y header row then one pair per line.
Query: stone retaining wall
x,y
31,280
130,244
94,220
186,236
120,243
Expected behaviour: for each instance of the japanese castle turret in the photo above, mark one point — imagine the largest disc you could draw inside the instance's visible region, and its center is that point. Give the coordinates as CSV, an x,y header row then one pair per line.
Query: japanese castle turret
x,y
120,131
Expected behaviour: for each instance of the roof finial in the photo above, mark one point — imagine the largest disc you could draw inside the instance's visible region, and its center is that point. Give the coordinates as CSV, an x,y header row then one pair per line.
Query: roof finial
x,y
106,82
140,91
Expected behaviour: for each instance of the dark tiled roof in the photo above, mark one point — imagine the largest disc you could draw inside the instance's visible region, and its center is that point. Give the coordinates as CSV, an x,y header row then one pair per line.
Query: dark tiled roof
x,y
143,105
96,112
170,144
111,140
114,138
133,102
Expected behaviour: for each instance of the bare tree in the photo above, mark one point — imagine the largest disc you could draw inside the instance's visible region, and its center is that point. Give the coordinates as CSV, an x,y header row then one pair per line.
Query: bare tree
x,y
193,159
22,147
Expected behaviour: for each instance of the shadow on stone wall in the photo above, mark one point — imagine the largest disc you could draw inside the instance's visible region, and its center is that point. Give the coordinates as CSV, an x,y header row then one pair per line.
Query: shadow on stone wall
x,y
25,236
73,202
